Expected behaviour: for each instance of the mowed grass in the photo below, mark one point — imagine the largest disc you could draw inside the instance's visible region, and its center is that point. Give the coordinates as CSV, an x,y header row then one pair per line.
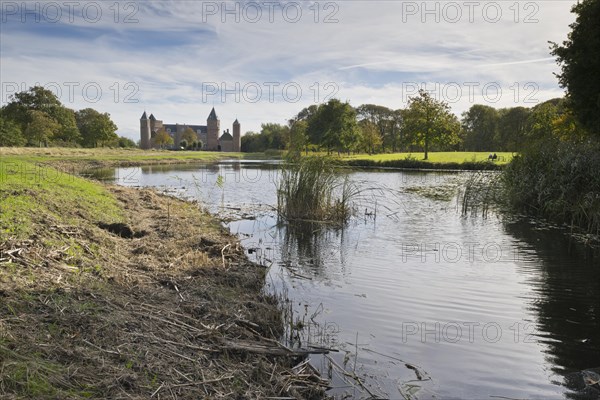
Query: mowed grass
x,y
32,195
108,154
437,157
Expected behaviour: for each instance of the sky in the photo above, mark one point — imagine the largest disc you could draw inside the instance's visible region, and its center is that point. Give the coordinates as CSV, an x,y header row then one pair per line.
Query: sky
x,y
263,61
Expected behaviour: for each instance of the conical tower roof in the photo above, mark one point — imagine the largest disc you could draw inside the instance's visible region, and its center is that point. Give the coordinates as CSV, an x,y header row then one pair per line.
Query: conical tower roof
x,y
236,122
144,116
213,115
152,118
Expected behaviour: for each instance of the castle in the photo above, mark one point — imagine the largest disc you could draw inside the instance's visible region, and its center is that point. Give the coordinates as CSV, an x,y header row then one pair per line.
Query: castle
x,y
208,134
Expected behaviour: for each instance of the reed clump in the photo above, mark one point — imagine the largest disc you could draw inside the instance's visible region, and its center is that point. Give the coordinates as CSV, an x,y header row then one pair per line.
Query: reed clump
x,y
481,191
314,189
559,181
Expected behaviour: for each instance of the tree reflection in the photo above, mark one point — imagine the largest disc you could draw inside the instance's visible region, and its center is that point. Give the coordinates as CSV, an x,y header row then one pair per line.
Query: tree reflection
x,y
567,302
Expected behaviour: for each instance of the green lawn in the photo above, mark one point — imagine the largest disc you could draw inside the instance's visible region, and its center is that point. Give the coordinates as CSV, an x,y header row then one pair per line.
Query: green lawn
x,y
32,194
107,154
437,157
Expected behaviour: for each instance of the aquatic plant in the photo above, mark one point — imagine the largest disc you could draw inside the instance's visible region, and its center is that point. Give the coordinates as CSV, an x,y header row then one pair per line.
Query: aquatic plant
x,y
314,189
481,191
559,181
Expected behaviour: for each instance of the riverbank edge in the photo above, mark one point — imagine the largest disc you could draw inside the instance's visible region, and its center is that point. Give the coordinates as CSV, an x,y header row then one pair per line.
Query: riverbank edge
x,y
421,165
154,297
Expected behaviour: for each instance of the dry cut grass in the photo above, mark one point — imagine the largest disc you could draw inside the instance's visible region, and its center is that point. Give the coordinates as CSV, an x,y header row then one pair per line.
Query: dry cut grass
x,y
155,301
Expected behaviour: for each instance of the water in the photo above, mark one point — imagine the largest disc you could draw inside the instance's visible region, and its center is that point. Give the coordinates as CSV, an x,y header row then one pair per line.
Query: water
x,y
420,301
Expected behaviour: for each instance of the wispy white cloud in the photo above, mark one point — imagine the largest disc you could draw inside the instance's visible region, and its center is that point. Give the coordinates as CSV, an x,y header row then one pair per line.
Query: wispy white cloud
x,y
373,53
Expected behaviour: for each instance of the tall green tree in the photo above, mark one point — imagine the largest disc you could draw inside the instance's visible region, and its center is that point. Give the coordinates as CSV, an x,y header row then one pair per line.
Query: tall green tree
x,y
511,129
276,136
68,132
10,133
371,138
396,139
39,99
334,126
381,117
95,127
41,128
430,122
544,121
479,124
579,58
298,137
253,142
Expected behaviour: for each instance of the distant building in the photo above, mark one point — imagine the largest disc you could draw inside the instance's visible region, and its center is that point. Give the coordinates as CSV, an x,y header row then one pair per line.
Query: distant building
x,y
208,134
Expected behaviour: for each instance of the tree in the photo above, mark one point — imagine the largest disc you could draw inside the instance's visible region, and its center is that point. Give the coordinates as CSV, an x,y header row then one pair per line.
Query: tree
x,y
396,138
68,132
95,127
510,132
252,143
579,58
334,126
275,136
381,117
480,123
41,128
298,137
189,137
430,122
542,120
125,142
39,99
10,133
162,138
370,137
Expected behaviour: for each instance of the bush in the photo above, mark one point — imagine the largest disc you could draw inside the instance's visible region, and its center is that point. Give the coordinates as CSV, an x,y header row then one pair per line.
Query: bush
x,y
559,181
412,163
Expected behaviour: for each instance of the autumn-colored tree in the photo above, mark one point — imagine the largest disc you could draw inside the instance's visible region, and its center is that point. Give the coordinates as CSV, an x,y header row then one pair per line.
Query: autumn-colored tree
x,y
162,139
190,137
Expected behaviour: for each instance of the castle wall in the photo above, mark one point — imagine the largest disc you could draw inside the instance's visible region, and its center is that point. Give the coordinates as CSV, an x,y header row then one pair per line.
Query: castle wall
x,y
209,134
226,146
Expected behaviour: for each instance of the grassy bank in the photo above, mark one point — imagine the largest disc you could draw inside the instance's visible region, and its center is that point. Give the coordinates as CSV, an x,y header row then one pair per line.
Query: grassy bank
x,y
110,292
436,160
75,160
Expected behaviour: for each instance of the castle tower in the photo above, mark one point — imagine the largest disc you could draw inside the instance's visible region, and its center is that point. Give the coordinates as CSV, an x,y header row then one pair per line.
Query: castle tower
x,y
237,137
145,132
178,134
213,127
153,128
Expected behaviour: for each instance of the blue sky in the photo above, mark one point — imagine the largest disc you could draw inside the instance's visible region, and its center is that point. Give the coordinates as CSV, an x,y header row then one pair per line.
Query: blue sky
x,y
272,58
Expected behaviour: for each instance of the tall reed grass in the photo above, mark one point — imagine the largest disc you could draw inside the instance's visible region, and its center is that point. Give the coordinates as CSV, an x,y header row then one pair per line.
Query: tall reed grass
x,y
481,191
314,189
559,181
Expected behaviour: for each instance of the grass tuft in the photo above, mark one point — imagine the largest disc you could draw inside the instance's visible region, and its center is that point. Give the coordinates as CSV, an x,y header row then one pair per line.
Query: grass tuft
x,y
313,189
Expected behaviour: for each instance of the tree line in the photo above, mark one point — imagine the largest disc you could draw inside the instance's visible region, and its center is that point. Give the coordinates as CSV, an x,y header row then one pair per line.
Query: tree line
x,y
36,117
425,125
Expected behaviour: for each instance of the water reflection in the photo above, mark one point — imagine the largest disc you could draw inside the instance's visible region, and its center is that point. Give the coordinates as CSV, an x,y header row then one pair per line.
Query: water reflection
x,y
565,297
397,286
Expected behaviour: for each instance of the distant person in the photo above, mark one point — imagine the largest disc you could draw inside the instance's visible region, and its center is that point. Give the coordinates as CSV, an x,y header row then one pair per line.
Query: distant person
x,y
490,157
494,157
